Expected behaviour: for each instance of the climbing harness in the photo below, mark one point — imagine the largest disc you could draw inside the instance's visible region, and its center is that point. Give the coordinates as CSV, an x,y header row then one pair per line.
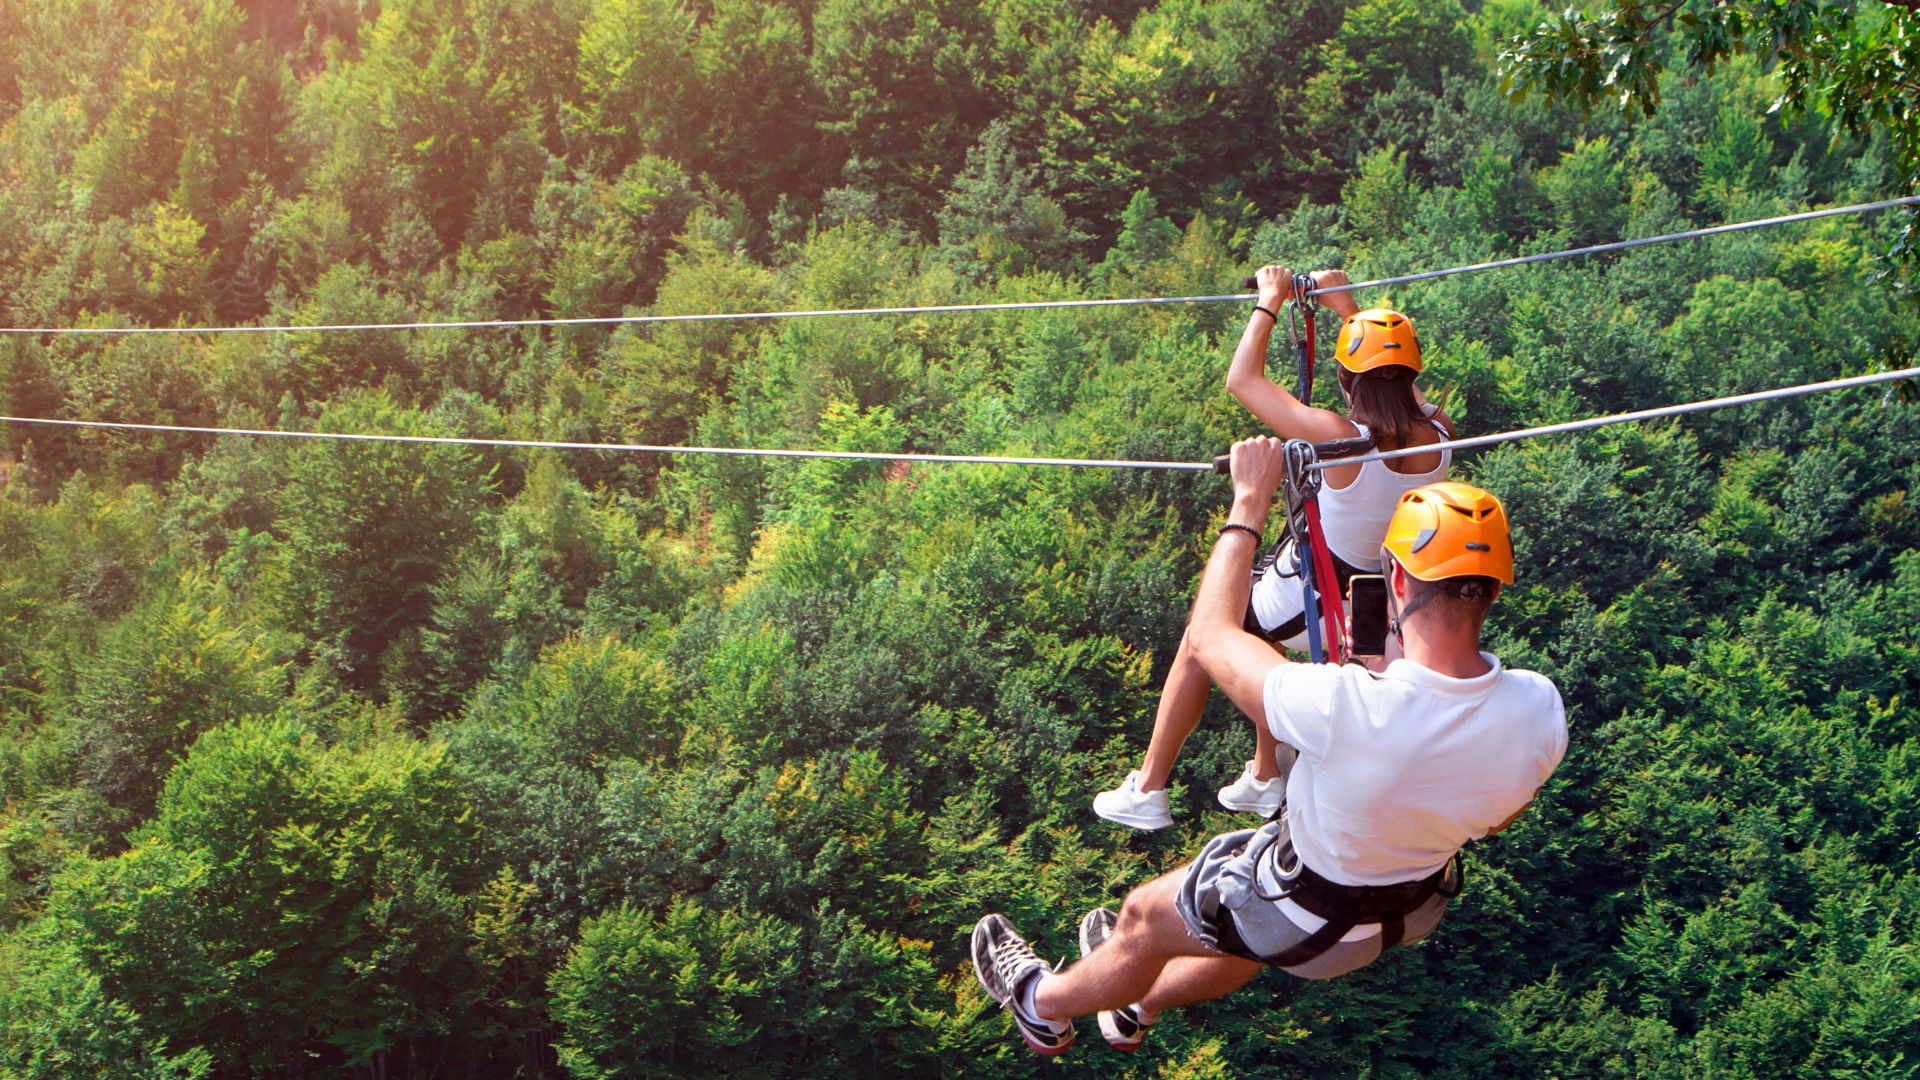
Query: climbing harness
x,y
1302,488
1343,907
1319,580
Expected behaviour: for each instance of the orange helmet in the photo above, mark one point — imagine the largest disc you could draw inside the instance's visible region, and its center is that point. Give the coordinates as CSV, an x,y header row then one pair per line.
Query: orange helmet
x,y
1449,530
1376,338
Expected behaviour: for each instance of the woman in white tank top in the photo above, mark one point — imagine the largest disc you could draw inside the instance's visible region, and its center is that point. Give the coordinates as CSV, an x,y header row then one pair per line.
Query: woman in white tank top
x,y
1379,359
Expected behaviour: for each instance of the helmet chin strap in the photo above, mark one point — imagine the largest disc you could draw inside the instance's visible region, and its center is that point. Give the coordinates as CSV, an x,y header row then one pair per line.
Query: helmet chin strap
x,y
1395,619
1469,591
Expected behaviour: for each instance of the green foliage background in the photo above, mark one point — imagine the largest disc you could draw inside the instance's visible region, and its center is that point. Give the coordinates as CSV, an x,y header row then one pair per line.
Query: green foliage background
x,y
427,760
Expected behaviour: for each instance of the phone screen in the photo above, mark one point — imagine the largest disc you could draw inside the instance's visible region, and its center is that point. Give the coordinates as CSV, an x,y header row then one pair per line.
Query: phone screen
x,y
1367,601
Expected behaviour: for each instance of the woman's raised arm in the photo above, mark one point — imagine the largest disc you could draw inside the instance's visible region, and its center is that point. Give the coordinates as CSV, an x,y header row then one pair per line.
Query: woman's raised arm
x,y
1288,416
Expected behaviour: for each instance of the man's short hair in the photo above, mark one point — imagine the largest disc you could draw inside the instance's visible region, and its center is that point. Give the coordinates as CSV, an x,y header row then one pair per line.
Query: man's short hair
x,y
1456,599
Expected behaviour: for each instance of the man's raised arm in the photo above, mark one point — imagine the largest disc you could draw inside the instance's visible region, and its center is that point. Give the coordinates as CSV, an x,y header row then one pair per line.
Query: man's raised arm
x,y
1237,661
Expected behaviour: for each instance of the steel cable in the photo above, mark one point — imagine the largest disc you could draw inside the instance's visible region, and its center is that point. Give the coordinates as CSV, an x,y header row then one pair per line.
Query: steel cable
x,y
1706,405
1026,305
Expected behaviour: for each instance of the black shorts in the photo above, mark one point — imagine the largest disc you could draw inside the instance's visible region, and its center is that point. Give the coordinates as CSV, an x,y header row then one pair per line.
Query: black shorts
x,y
1281,564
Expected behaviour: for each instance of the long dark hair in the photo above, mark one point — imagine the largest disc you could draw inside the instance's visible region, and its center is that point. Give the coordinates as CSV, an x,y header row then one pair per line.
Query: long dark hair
x,y
1383,400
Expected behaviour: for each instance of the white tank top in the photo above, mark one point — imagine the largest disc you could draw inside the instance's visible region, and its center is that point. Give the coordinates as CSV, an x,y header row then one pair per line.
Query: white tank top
x,y
1354,518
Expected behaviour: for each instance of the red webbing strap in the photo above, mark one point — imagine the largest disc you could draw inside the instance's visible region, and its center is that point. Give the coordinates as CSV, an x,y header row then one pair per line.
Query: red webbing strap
x,y
1332,606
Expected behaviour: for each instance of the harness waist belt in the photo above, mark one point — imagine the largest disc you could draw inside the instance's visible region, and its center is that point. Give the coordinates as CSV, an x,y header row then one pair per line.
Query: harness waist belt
x,y
1366,903
1347,906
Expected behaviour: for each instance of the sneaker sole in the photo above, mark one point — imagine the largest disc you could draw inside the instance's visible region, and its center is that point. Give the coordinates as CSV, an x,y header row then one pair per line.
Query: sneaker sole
x,y
1112,1034
1043,1051
1251,807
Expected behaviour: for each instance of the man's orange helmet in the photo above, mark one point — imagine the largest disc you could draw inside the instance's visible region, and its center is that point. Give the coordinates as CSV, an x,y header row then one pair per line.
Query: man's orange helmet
x,y
1377,338
1450,530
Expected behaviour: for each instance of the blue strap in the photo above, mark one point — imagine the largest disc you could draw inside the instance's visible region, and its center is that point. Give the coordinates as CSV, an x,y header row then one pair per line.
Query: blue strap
x,y
1311,610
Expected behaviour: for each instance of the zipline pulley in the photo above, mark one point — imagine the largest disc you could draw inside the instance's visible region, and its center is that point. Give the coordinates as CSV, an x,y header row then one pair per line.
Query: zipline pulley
x,y
1322,612
1300,309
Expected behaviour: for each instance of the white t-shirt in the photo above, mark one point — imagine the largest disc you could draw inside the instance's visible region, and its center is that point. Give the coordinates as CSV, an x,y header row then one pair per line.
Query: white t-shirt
x,y
1398,770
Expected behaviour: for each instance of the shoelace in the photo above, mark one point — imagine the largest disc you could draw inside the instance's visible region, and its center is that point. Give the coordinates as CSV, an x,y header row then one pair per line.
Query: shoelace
x,y
1009,955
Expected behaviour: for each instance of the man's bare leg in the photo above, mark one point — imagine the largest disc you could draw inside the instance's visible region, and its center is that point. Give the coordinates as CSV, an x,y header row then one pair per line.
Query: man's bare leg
x,y
1148,935
1182,699
1188,979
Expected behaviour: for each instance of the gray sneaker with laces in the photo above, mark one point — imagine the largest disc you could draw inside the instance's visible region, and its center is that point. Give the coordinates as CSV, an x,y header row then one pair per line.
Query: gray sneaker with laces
x,y
1003,962
1122,1026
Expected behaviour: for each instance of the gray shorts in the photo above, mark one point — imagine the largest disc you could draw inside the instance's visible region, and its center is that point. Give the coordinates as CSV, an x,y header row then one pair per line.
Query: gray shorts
x,y
1230,880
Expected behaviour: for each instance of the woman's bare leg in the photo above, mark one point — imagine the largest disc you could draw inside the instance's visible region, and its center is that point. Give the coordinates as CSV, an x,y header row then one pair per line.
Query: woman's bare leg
x,y
1182,700
1271,757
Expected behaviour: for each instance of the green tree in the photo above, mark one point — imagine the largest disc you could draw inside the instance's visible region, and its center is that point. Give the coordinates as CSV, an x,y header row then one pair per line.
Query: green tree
x,y
590,702
1379,200
1172,100
757,103
636,82
290,903
727,997
435,86
368,528
1145,237
178,665
57,1019
995,222
1381,41
666,376
1842,61
185,106
904,92
1585,191
319,365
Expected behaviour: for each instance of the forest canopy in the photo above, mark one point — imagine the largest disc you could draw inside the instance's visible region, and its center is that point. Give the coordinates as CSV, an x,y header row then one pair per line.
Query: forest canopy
x,y
449,760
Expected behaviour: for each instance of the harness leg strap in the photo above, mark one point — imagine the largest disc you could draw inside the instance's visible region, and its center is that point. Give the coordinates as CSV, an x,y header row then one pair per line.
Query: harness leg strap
x,y
1392,930
1313,945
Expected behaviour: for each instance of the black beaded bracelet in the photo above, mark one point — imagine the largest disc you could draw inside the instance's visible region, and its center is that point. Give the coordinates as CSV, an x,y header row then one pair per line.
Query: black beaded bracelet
x,y
1234,526
1274,315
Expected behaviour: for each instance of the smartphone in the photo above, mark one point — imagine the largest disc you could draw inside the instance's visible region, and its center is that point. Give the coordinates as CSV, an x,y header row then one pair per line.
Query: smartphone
x,y
1367,618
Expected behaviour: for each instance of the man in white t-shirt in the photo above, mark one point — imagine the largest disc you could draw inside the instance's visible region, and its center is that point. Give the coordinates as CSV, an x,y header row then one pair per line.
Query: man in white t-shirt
x,y
1397,769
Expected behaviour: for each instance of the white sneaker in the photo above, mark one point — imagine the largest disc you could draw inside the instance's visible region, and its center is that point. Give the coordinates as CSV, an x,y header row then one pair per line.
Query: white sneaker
x,y
1128,805
1249,795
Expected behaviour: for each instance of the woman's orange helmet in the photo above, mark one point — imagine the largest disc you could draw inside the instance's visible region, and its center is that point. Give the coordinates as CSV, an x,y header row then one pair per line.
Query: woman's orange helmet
x,y
1450,530
1377,338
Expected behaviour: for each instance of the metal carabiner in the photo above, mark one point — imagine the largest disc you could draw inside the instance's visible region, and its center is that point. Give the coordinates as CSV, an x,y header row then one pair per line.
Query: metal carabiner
x,y
1286,868
1302,287
1302,485
1303,480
